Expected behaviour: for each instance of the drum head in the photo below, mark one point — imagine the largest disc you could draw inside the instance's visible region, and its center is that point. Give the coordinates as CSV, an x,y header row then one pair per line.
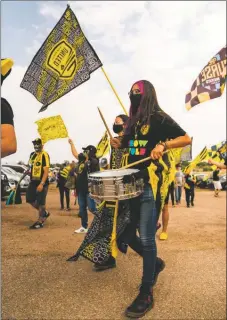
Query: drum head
x,y
112,173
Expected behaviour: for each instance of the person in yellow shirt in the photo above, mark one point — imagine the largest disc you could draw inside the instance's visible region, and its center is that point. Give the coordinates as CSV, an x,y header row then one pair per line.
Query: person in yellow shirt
x,y
39,163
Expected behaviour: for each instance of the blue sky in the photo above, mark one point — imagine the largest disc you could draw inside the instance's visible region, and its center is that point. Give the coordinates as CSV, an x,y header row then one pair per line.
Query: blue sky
x,y
165,42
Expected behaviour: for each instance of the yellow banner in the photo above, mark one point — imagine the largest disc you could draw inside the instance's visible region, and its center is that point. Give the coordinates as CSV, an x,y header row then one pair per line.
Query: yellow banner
x,y
51,128
103,147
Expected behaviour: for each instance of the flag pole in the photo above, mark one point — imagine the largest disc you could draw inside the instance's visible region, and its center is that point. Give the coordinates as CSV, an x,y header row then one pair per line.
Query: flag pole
x,y
119,100
105,124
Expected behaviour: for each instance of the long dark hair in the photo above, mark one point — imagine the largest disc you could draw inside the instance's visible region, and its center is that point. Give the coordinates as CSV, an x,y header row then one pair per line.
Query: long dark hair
x,y
148,105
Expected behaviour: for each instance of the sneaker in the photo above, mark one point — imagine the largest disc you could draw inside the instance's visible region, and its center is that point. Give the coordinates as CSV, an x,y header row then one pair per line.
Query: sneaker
x,y
68,209
109,264
62,209
81,230
159,267
141,305
36,225
47,214
163,236
192,204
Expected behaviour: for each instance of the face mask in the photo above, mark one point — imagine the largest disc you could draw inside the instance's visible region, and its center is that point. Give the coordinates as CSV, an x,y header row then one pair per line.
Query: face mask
x,y
117,128
38,148
135,102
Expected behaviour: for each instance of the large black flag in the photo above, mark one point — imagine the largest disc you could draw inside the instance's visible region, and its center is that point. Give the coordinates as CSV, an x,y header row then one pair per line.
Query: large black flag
x,y
65,60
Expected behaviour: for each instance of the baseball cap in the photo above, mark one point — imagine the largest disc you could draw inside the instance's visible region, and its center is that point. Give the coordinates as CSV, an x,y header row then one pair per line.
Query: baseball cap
x,y
90,148
37,141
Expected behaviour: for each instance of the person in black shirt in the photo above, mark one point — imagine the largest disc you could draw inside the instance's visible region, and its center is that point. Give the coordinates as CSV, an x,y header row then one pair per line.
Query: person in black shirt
x,y
63,190
88,163
189,187
8,136
149,132
216,182
39,163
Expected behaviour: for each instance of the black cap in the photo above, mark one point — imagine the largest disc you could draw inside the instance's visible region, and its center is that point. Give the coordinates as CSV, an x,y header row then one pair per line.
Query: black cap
x,y
90,148
37,141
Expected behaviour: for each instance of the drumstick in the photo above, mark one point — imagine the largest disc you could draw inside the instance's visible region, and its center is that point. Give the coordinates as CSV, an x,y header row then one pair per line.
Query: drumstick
x,y
138,162
105,124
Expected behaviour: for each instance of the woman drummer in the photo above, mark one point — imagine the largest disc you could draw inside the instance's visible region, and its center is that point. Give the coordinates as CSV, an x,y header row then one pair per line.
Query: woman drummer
x,y
147,133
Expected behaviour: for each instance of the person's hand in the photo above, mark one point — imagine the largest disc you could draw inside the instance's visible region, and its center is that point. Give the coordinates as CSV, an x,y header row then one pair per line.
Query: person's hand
x,y
39,188
157,152
70,141
115,143
210,161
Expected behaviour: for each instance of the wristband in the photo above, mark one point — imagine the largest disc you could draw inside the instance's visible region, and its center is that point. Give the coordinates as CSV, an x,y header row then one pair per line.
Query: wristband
x,y
163,144
42,183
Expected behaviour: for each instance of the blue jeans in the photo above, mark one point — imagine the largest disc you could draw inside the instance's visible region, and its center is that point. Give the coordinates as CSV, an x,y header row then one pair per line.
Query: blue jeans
x,y
85,202
147,229
178,192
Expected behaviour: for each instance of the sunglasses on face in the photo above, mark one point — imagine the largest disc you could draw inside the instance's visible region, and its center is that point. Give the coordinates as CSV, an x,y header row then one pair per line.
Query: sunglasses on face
x,y
134,92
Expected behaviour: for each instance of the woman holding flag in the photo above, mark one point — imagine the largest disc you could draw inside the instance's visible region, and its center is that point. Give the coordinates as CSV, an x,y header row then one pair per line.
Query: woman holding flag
x,y
148,133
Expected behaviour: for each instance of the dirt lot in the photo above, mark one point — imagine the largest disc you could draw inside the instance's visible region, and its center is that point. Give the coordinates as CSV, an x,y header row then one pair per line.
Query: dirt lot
x,y
38,283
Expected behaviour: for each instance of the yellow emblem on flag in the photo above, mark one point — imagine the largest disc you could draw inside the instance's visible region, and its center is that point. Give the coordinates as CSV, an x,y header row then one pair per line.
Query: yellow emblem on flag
x,y
103,146
62,60
51,128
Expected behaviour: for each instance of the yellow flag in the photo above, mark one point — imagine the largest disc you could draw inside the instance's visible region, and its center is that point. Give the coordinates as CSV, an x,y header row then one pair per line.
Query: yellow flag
x,y
201,157
51,128
103,146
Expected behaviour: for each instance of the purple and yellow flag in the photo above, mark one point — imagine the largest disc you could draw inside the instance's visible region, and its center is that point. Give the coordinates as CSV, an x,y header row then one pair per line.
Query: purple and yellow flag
x,y
210,83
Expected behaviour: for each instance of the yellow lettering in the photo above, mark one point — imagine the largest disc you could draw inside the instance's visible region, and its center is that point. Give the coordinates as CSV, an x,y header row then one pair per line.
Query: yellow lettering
x,y
208,73
215,72
136,143
203,76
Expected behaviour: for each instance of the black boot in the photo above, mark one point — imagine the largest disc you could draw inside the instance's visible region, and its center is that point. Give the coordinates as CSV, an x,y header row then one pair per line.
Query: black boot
x,y
142,304
109,264
159,266
192,204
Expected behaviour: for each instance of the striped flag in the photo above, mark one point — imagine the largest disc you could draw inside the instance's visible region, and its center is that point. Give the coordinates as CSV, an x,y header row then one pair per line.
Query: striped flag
x,y
201,157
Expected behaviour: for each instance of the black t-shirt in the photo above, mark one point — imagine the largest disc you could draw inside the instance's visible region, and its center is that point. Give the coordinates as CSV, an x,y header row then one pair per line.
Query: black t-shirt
x,y
189,180
6,112
143,138
215,175
45,163
83,169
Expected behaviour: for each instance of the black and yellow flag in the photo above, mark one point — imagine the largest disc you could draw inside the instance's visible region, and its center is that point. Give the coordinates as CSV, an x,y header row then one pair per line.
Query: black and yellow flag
x,y
103,147
201,157
210,83
65,60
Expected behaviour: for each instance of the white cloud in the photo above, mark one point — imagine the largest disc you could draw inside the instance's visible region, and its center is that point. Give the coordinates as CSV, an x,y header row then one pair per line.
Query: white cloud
x,y
167,43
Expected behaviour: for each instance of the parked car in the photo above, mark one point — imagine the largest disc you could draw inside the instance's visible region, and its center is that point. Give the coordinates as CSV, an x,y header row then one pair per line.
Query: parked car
x,y
14,177
6,186
16,167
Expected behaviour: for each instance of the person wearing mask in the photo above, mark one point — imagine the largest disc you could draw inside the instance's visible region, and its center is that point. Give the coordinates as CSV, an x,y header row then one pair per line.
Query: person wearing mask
x,y
149,132
216,182
88,163
8,135
61,181
189,187
39,163
179,182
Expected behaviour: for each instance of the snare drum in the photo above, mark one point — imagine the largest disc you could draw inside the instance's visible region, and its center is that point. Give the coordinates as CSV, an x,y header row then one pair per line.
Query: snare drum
x,y
108,185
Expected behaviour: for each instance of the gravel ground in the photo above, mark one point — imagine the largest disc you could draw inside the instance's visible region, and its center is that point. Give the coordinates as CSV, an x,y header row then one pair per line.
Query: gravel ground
x,y
38,283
